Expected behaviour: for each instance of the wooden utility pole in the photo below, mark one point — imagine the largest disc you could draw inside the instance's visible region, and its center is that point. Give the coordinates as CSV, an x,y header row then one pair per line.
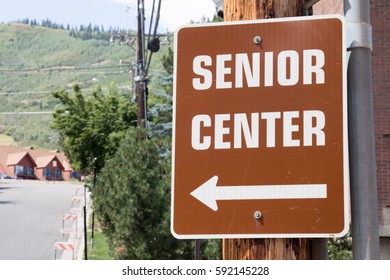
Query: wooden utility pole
x,y
267,248
256,9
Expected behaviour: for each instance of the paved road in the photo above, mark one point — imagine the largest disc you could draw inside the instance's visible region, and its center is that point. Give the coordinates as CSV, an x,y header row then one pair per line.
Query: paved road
x,y
30,218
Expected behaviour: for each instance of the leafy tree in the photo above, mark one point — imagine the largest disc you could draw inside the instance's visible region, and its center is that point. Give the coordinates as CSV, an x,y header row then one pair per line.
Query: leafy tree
x,y
92,127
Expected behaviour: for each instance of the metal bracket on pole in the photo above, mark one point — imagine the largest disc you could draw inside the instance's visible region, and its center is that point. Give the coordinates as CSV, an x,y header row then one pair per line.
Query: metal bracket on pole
x,y
359,35
307,7
359,30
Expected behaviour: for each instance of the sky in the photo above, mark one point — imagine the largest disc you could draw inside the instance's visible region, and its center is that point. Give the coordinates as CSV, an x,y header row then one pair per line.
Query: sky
x,y
115,13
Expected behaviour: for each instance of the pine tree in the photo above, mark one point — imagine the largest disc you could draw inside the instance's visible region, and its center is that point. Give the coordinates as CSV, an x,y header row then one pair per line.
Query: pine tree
x,y
132,201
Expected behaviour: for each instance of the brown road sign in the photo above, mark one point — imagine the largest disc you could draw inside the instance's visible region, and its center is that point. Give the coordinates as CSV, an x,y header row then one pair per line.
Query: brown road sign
x,y
260,129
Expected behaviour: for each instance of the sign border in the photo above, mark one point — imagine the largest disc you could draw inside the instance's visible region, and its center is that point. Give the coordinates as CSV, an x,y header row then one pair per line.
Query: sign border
x,y
346,188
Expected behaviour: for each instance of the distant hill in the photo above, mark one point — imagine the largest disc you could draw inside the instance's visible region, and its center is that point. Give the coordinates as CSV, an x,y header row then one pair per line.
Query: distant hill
x,y
36,60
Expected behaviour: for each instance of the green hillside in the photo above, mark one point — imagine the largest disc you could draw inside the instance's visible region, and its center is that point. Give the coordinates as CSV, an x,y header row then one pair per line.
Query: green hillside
x,y
35,60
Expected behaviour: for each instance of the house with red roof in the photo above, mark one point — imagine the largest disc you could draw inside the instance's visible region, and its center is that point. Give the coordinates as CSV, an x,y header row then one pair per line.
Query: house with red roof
x,y
49,168
19,165
29,163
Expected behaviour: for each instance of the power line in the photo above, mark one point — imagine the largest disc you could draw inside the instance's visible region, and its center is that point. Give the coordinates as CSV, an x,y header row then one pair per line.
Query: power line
x,y
26,92
57,68
128,88
27,113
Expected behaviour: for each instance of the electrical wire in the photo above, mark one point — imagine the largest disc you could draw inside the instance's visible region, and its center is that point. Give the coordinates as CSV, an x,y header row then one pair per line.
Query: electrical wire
x,y
149,58
50,91
151,20
57,68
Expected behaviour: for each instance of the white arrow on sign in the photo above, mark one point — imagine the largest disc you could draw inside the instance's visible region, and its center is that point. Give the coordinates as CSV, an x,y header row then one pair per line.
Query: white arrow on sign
x,y
208,193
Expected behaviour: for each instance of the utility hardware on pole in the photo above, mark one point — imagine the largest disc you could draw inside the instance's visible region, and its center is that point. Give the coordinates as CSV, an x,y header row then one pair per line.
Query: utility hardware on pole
x,y
143,60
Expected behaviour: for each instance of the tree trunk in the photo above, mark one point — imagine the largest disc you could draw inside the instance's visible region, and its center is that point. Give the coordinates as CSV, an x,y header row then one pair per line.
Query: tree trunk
x,y
261,9
268,248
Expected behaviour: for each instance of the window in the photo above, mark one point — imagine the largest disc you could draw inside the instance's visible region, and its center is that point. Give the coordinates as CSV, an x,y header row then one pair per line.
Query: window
x,y
30,170
47,172
19,169
58,173
74,175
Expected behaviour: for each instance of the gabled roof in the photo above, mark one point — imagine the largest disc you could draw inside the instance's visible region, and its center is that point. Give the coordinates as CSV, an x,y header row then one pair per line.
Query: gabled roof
x,y
67,166
43,153
44,161
16,158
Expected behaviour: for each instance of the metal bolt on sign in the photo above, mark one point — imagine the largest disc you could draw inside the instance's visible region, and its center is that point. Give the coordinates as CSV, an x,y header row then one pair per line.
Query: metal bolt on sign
x,y
257,40
257,215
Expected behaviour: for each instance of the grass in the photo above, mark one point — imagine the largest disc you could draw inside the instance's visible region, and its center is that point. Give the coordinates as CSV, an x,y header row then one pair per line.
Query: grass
x,y
6,140
100,249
